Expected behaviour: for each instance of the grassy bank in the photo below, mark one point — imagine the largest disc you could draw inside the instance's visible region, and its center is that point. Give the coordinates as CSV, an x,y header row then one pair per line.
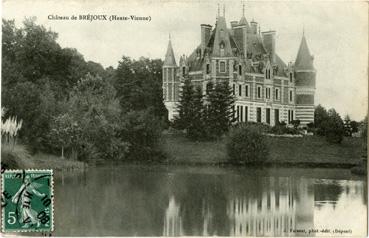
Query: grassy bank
x,y
310,151
19,158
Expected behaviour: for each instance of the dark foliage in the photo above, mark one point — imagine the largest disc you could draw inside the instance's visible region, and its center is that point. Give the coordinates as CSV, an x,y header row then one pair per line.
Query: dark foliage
x,y
246,144
333,127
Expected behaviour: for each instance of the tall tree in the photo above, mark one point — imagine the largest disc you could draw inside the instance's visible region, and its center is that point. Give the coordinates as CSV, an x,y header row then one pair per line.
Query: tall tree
x,y
219,113
185,106
334,127
197,129
320,116
138,85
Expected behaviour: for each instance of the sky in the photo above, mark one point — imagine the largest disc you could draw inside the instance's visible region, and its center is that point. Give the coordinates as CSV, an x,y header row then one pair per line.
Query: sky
x,y
336,33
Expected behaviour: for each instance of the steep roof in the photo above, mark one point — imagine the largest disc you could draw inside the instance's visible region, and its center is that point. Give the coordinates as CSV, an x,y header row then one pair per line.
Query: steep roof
x,y
304,60
243,21
255,44
222,38
169,56
281,66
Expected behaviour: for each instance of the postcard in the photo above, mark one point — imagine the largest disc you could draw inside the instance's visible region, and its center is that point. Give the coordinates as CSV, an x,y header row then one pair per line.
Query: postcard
x,y
184,118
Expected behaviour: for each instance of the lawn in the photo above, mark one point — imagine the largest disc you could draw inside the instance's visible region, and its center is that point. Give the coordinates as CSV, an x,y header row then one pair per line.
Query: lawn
x,y
310,150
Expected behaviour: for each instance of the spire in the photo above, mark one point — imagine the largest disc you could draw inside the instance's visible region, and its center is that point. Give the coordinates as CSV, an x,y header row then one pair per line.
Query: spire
x,y
218,11
169,56
304,60
243,20
223,10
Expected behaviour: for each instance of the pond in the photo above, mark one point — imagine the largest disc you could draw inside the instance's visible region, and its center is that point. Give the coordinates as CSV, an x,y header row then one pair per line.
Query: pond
x,y
158,200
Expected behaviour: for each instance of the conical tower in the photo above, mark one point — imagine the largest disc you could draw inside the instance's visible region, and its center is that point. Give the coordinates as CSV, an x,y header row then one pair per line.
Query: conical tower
x,y
170,81
304,76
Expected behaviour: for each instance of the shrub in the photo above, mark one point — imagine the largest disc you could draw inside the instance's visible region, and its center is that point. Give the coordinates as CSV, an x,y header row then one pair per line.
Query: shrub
x,y
246,144
295,123
333,127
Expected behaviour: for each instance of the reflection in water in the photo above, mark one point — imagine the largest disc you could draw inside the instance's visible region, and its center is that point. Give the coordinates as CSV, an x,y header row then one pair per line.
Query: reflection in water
x,y
178,201
172,221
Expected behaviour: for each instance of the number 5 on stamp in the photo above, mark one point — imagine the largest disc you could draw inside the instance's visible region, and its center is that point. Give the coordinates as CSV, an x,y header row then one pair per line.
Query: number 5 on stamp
x,y
27,201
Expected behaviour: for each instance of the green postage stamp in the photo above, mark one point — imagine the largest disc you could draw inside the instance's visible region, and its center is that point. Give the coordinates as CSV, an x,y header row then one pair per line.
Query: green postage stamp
x,y
27,201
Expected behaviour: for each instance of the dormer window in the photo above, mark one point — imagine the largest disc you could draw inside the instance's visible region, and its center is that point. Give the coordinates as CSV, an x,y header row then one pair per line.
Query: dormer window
x,y
222,49
221,33
267,74
240,69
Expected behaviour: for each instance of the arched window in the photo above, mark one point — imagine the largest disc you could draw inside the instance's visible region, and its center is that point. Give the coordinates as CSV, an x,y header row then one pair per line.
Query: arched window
x,y
221,46
240,69
291,77
183,71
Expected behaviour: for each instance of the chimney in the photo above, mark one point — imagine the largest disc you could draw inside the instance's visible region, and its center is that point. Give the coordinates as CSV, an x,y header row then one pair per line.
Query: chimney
x,y
269,44
234,23
205,36
254,27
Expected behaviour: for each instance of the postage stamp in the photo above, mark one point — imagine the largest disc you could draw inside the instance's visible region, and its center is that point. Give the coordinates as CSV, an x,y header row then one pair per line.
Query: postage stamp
x,y
27,201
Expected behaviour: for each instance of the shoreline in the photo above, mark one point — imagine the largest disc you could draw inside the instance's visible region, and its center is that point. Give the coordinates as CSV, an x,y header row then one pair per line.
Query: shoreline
x,y
179,151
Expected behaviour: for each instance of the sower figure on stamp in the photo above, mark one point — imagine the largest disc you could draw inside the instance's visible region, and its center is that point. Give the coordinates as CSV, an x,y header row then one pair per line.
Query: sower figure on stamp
x,y
23,200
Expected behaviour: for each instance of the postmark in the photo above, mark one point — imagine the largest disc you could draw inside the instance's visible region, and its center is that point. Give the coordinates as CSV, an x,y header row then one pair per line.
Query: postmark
x,y
27,201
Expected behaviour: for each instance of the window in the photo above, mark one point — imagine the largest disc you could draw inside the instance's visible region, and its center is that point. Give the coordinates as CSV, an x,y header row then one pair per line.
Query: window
x,y
241,113
183,71
267,112
267,93
246,113
276,94
240,90
276,116
222,67
234,89
240,69
258,114
291,95
291,77
207,68
290,116
259,91
267,74
246,90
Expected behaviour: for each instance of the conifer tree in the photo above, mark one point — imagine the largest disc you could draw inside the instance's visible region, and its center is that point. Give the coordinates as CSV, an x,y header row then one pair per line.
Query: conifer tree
x,y
219,113
196,129
185,114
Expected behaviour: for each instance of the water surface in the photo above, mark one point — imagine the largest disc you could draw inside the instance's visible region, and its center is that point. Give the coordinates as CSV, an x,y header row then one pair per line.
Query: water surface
x,y
134,200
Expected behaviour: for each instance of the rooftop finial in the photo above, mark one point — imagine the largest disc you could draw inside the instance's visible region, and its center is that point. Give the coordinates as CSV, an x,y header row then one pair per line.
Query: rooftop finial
x,y
243,8
218,11
303,29
170,36
223,10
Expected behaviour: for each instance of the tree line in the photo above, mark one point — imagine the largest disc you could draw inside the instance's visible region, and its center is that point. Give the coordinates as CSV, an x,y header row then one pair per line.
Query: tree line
x,y
77,108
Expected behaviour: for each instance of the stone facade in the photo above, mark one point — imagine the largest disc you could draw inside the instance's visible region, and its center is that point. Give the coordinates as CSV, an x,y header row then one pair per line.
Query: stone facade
x,y
266,89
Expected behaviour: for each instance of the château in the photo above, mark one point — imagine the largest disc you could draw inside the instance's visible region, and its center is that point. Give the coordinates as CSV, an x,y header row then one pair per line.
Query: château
x,y
266,89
